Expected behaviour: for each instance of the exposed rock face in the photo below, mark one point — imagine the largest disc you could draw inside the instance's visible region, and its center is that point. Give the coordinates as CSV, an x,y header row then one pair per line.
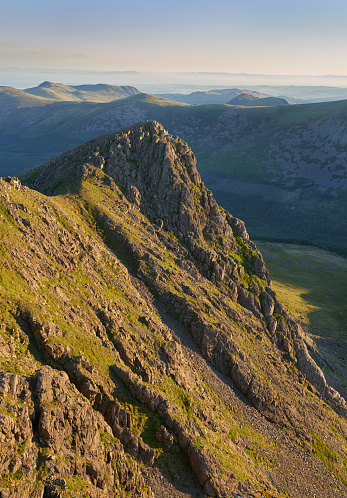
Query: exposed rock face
x,y
141,357
52,430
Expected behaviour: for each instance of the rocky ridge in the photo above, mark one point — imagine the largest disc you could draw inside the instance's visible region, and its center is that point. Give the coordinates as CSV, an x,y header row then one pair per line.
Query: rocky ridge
x,y
102,286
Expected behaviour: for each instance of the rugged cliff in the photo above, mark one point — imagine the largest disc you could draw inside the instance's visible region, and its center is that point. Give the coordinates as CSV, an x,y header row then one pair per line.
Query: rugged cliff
x,y
141,340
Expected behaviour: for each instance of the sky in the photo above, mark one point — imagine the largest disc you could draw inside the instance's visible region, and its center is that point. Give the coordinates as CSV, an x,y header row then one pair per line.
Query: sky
x,y
283,37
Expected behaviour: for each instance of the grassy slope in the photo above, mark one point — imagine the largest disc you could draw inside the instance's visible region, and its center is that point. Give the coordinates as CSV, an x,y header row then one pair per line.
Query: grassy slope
x,y
11,97
311,284
81,287
95,199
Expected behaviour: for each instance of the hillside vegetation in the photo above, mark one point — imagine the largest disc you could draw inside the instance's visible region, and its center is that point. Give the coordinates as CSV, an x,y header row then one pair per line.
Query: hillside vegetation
x,y
311,284
142,342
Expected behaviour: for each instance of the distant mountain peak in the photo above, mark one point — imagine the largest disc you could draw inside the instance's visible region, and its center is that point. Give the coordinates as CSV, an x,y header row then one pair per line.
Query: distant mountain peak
x,y
48,84
252,98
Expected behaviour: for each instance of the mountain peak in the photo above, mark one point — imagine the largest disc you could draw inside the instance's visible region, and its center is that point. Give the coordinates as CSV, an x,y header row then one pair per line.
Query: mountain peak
x,y
251,98
159,171
47,84
171,294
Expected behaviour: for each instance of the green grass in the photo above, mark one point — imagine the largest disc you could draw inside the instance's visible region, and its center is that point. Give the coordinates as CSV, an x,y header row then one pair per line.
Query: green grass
x,y
311,283
331,459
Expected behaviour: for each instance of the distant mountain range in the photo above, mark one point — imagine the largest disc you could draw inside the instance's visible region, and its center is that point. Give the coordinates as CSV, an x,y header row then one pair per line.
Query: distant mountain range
x,y
49,92
293,94
265,164
224,96
89,93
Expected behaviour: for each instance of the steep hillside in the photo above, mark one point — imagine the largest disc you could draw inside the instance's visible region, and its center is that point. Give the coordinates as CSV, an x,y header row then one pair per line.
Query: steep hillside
x,y
254,99
141,339
91,93
264,164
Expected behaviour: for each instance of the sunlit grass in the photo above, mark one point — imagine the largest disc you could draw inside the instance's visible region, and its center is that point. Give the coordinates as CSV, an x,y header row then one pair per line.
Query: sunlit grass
x,y
311,284
295,301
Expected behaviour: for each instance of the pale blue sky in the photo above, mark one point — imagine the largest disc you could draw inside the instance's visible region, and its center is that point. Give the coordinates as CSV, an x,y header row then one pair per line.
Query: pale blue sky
x,y
271,37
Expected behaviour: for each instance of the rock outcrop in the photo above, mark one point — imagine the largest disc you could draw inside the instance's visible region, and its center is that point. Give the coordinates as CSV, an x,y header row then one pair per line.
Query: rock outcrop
x,y
140,325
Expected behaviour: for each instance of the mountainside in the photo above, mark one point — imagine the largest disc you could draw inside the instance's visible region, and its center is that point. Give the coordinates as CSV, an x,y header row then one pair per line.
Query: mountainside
x,y
91,93
256,99
141,339
263,164
11,99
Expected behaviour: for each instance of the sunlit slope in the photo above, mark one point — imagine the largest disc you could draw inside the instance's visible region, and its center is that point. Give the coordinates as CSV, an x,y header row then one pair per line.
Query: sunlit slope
x,y
311,284
91,93
137,343
11,98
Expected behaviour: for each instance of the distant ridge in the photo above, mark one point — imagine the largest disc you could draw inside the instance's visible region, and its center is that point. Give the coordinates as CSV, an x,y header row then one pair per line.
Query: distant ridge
x,y
82,93
225,96
215,96
252,99
11,98
264,164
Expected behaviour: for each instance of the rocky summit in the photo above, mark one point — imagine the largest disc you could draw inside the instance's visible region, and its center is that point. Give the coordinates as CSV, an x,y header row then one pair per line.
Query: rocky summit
x,y
143,351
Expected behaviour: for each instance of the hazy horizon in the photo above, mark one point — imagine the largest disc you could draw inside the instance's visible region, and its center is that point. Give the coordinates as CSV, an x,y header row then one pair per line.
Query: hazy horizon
x,y
285,39
160,82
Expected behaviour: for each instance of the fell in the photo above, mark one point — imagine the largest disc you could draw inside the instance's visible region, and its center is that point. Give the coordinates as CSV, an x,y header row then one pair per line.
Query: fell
x,y
141,339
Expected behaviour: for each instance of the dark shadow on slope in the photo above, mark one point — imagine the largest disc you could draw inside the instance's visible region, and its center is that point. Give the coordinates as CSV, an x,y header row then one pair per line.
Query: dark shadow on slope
x,y
311,283
272,221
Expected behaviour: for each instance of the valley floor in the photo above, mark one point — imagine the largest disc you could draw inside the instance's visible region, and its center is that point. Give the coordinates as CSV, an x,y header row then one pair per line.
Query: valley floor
x,y
311,284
